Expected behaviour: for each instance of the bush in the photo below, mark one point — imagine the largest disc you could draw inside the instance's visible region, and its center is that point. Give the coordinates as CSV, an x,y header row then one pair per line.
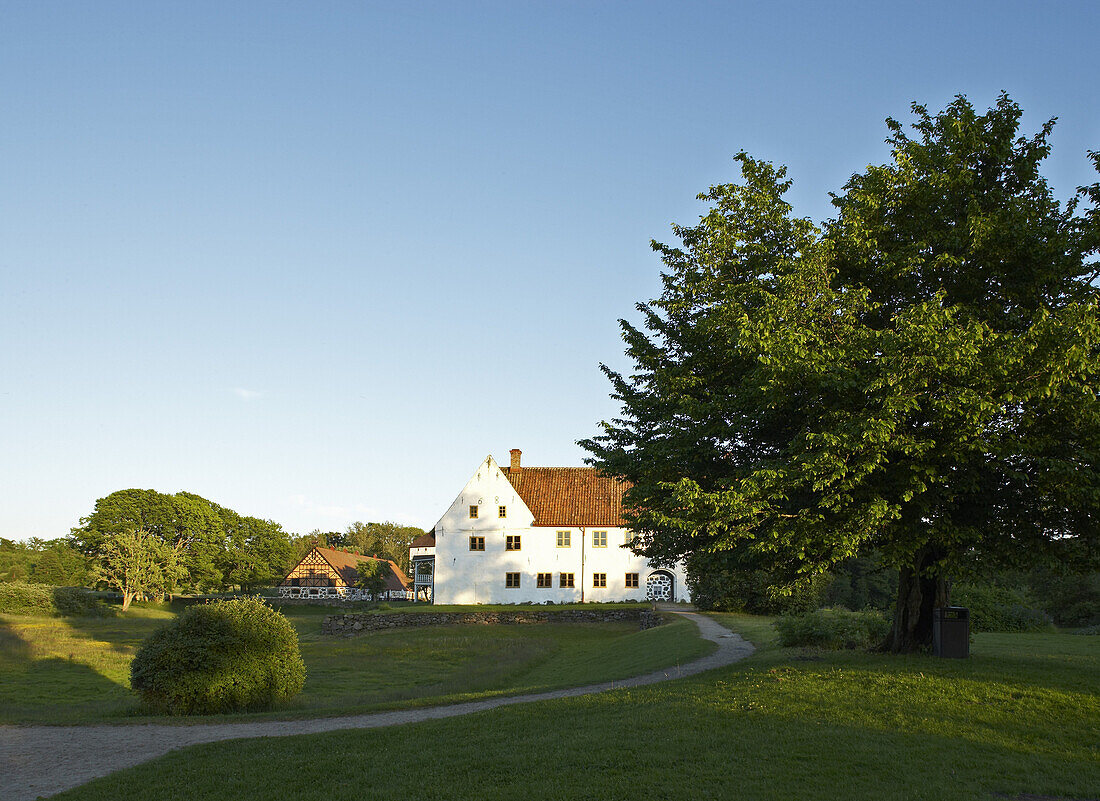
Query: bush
x,y
833,629
994,608
224,656
20,598
79,602
718,584
1071,599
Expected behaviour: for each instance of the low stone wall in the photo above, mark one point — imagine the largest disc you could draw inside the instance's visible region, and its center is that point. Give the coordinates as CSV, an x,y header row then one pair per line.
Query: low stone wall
x,y
348,625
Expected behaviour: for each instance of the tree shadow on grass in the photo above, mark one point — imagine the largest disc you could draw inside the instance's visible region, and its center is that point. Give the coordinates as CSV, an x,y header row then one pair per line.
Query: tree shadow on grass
x,y
53,689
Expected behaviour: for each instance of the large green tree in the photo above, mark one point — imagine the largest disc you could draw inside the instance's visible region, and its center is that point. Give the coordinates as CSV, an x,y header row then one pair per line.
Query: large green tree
x,y
217,547
138,563
257,553
185,522
918,377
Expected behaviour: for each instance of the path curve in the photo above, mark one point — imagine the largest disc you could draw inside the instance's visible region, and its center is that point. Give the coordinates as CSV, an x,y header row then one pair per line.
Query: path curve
x,y
37,761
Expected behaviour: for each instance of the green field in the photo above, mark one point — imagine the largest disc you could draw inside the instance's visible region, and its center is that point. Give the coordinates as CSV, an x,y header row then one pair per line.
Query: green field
x,y
1021,716
76,670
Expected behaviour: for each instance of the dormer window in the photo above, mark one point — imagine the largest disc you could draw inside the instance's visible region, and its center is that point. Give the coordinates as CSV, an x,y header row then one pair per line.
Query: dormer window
x,y
473,512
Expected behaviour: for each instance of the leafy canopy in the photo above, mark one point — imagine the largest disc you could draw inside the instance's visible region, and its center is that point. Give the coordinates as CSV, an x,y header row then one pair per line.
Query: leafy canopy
x,y
918,376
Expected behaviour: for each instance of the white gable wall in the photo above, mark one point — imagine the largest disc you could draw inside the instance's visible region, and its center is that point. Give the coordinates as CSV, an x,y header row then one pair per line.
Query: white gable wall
x,y
463,576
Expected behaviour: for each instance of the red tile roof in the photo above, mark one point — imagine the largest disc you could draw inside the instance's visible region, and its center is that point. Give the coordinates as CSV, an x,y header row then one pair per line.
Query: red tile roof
x,y
424,540
344,563
569,496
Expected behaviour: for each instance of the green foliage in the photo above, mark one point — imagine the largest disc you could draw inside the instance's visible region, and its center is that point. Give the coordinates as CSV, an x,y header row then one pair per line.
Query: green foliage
x,y
21,598
724,585
371,576
918,378
862,582
224,656
387,540
79,602
833,629
994,608
1071,599
256,552
216,548
42,562
136,563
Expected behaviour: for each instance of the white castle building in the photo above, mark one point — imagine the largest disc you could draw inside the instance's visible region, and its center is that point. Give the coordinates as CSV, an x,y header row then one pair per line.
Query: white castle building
x,y
536,534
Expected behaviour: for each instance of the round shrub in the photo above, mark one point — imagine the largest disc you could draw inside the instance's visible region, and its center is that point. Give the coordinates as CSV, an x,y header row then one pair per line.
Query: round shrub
x,y
833,628
223,656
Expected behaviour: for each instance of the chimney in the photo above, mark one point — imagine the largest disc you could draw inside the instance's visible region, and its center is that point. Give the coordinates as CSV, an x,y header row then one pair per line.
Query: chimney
x,y
516,453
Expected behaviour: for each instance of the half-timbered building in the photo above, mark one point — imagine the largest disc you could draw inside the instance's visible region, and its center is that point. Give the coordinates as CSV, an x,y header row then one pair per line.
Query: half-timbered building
x,y
331,573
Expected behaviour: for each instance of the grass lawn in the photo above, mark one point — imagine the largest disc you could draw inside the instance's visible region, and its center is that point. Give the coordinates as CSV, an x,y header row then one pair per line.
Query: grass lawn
x,y
76,670
1021,716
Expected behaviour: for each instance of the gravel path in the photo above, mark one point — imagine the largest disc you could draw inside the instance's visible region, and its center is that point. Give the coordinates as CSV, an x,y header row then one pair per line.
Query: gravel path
x,y
38,761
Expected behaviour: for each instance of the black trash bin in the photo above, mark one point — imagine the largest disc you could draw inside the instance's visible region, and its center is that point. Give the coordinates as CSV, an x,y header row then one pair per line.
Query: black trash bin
x,y
951,632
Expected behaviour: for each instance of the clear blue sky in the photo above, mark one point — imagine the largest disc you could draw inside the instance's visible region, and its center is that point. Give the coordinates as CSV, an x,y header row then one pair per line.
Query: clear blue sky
x,y
313,261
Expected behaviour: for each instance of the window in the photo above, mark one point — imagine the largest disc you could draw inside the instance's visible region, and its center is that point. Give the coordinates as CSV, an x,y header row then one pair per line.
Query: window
x,y
511,580
473,512
563,539
631,579
565,579
511,542
502,511
477,543
544,580
599,579
599,539
630,538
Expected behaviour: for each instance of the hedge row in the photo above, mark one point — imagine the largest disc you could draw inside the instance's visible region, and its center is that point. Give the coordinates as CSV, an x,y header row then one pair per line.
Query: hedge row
x,y
20,598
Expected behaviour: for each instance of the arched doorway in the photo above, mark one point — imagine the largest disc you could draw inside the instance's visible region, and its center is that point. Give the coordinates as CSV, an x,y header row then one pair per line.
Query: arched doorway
x,y
660,586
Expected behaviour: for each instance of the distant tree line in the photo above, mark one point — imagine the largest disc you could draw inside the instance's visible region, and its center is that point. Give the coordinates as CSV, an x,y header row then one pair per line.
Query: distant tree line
x,y
999,600
41,561
144,543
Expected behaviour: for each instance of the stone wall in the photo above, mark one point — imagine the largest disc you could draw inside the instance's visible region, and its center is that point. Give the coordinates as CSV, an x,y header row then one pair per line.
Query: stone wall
x,y
348,625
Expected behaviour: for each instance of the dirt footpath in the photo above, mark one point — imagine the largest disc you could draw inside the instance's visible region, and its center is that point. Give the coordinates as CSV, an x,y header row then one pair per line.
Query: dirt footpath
x,y
37,761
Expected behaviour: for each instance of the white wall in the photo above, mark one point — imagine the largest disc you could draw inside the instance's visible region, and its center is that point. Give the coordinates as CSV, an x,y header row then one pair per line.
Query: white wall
x,y
463,576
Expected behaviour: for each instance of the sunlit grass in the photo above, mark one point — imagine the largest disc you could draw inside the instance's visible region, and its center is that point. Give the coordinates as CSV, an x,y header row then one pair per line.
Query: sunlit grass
x,y
1021,716
70,670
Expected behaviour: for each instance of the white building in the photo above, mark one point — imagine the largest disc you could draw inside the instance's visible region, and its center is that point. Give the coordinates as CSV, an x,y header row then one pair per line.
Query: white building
x,y
537,534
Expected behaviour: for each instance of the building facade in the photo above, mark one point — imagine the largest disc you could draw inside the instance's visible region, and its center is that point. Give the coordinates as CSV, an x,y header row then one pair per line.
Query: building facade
x,y
533,535
331,573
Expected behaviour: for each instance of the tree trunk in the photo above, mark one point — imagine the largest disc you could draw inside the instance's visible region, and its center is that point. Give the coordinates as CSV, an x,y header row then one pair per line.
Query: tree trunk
x,y
921,588
127,598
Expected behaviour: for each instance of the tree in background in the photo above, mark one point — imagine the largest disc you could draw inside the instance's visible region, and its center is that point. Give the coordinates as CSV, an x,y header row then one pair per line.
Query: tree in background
x,y
137,563
388,540
917,379
187,523
257,552
216,547
42,562
60,565
371,576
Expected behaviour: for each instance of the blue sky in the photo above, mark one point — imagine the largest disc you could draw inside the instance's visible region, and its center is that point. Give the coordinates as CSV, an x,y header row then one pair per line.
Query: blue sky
x,y
313,261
